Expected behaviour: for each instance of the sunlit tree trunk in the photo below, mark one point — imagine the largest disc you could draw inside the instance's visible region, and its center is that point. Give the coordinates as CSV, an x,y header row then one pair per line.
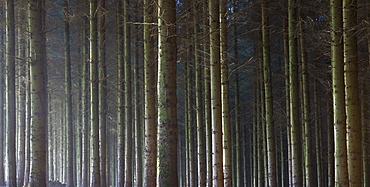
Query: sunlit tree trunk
x,y
102,93
10,94
216,110
94,96
38,175
341,167
138,105
352,92
68,96
150,154
295,131
270,129
225,109
22,82
201,154
167,99
28,125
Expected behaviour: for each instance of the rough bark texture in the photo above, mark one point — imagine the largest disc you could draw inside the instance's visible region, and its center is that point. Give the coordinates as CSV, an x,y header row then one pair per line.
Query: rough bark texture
x,y
270,129
150,155
353,111
167,99
38,175
296,144
226,126
341,167
94,96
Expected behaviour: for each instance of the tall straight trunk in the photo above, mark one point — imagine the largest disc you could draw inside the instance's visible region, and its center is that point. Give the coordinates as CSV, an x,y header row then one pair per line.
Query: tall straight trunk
x,y
352,92
294,98
2,99
239,133
127,93
94,96
10,94
216,109
120,97
102,93
189,121
285,130
207,95
21,45
330,135
306,110
318,134
28,126
167,99
365,114
341,167
85,100
262,135
270,129
68,96
225,109
138,110
201,154
38,94
150,154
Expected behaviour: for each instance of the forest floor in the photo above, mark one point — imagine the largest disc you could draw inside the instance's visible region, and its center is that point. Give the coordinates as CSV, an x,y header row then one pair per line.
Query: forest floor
x,y
56,184
51,184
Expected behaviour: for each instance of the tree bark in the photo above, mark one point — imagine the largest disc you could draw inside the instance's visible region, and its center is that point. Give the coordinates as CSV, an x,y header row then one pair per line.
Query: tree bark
x,y
353,111
296,144
10,94
167,99
94,96
150,154
38,94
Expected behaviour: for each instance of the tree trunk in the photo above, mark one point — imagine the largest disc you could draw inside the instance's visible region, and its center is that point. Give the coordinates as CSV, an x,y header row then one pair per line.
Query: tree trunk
x,y
167,99
2,99
38,94
120,97
10,94
94,96
341,167
68,96
216,109
201,157
207,96
150,154
352,92
294,98
22,65
102,93
225,109
127,93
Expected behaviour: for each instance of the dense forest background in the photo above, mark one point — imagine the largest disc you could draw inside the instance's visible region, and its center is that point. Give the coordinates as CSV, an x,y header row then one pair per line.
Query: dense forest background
x,y
184,93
